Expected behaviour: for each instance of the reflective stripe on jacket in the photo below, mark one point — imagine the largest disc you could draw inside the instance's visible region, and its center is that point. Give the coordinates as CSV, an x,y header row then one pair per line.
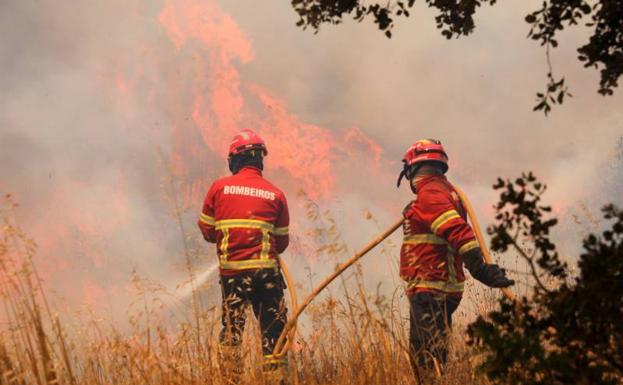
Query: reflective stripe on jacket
x,y
247,217
436,235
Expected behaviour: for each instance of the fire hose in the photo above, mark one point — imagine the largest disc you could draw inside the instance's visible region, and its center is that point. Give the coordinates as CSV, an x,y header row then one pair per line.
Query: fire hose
x,y
293,304
281,346
481,241
283,343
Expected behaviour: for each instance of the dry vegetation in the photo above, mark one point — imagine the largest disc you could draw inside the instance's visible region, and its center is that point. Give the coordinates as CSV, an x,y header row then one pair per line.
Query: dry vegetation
x,y
352,337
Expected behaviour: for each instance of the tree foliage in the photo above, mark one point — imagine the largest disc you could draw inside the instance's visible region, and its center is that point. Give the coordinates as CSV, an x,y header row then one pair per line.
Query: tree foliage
x,y
570,330
455,18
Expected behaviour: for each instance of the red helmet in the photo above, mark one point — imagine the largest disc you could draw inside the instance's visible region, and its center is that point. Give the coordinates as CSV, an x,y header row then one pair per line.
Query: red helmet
x,y
246,140
425,150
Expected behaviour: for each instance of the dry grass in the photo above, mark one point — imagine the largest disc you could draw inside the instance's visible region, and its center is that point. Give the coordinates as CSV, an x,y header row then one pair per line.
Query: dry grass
x,y
353,337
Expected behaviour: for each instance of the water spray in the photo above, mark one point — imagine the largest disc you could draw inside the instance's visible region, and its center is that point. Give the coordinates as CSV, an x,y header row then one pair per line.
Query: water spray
x,y
186,289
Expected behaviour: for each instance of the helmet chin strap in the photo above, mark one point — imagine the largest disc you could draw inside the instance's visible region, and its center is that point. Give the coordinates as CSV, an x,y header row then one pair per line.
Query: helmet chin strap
x,y
408,172
402,175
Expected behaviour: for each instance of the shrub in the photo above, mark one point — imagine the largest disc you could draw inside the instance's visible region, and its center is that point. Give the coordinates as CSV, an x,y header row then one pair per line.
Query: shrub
x,y
570,331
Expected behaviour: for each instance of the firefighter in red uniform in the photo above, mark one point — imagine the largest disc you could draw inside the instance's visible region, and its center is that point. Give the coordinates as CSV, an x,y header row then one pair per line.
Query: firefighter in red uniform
x,y
247,217
438,241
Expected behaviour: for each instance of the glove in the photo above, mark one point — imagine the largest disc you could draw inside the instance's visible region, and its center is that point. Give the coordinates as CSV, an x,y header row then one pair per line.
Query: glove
x,y
490,275
494,276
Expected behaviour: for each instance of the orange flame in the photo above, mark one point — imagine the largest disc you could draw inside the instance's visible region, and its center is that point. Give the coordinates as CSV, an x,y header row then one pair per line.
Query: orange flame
x,y
304,152
206,103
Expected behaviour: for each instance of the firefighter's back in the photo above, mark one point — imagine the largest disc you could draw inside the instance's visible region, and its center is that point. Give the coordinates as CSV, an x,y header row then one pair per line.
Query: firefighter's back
x,y
247,195
250,219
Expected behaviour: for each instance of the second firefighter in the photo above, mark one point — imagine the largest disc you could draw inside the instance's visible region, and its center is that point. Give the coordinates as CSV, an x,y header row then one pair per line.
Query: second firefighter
x,y
437,243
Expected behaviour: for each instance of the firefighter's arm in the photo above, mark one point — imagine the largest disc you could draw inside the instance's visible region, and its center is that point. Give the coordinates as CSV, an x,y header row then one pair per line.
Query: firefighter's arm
x,y
206,218
439,211
282,237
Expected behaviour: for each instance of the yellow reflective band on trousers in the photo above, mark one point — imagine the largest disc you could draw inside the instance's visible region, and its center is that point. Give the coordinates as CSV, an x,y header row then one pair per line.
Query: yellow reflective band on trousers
x,y
468,246
263,261
206,219
447,287
443,219
420,239
271,359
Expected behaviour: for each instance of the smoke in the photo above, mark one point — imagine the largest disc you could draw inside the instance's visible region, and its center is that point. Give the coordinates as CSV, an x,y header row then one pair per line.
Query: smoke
x,y
115,118
79,145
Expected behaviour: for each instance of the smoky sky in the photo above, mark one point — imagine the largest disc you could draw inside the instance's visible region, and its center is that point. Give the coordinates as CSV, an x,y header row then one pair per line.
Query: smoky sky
x,y
475,93
87,110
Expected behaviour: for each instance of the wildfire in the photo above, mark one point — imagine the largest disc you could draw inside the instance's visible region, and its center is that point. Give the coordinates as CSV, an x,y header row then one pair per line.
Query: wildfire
x,y
223,102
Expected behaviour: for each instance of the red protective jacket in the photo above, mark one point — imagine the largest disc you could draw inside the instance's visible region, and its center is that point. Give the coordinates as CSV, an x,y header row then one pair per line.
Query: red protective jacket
x,y
247,217
436,235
